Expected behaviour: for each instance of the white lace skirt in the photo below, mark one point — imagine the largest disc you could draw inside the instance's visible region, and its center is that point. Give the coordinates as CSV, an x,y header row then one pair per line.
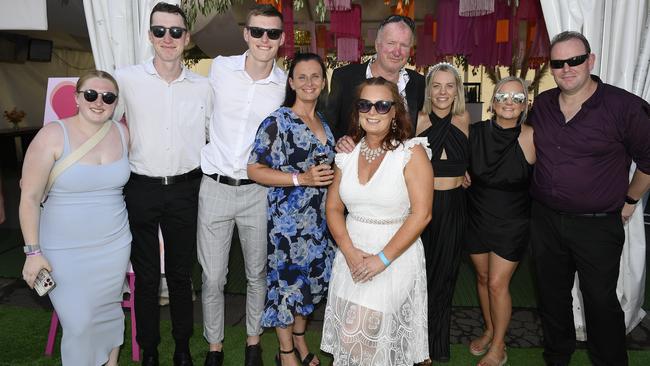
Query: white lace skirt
x,y
383,321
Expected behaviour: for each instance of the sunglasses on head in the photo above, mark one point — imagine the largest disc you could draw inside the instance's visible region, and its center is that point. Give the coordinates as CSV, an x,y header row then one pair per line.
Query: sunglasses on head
x,y
573,61
398,18
257,32
158,31
517,98
381,106
91,95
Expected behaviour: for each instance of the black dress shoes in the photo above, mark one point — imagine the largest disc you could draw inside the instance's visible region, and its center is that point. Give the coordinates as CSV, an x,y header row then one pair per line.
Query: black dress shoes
x,y
253,355
214,358
150,360
182,359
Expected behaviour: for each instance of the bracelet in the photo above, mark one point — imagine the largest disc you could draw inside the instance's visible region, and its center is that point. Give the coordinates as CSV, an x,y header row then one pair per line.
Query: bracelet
x,y
294,177
383,258
29,248
36,252
631,201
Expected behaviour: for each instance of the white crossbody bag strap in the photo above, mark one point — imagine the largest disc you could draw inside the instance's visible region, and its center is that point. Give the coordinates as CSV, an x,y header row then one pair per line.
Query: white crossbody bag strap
x,y
75,156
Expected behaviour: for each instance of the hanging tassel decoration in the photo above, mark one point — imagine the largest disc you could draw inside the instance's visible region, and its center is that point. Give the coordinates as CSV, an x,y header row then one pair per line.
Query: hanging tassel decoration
x,y
475,8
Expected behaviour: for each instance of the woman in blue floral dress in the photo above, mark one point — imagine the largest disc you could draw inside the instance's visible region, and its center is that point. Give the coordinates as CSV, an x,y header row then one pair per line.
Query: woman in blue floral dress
x,y
292,153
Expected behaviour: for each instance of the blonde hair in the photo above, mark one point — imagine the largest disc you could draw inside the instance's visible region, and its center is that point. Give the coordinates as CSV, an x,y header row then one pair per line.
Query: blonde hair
x,y
497,88
458,106
97,74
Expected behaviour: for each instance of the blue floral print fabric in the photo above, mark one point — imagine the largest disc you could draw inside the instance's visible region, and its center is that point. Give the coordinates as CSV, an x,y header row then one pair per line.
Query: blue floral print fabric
x,y
300,249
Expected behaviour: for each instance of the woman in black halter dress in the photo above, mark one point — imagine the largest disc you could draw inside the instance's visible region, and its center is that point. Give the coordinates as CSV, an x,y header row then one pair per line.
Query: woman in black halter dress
x,y
502,154
444,122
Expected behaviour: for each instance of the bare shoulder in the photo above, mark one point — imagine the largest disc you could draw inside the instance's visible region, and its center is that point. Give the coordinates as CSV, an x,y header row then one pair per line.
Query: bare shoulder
x,y
527,132
462,122
48,141
423,123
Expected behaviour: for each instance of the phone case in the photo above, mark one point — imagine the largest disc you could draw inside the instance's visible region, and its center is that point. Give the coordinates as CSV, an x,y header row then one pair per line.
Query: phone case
x,y
44,282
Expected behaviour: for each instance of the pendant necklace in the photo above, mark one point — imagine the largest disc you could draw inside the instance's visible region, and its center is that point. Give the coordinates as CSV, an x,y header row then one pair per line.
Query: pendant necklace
x,y
368,153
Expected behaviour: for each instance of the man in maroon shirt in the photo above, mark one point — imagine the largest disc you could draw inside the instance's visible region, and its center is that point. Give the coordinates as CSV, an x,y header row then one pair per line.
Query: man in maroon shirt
x,y
586,135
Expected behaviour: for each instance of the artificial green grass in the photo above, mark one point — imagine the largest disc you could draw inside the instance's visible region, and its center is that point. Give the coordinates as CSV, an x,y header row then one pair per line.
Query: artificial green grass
x,y
24,333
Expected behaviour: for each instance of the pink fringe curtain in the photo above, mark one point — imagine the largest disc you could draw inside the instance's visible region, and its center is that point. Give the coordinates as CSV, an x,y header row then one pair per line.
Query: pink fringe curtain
x,y
288,48
338,5
475,8
346,23
426,52
347,49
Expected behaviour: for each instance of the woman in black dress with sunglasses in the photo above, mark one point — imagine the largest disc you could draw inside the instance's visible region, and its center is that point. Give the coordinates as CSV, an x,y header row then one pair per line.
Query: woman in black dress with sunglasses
x,y
502,154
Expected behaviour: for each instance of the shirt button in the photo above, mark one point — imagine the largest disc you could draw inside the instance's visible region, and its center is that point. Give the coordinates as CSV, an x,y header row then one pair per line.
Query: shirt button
x,y
558,147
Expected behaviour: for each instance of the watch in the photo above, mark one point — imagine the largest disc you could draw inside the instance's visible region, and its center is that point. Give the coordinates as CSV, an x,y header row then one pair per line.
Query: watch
x,y
631,201
31,248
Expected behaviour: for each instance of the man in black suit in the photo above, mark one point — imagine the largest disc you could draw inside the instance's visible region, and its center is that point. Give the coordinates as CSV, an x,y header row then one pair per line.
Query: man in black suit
x,y
395,38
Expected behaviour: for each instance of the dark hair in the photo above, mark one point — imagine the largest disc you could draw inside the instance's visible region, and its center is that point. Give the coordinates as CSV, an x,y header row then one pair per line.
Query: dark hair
x,y
263,10
96,74
567,35
290,94
403,124
168,8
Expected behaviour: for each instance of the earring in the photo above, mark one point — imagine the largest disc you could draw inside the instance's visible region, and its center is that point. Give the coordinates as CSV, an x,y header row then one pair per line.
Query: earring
x,y
393,126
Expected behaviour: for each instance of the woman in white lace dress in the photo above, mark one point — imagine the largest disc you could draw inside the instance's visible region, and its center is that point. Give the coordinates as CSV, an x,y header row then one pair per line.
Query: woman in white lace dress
x,y
376,309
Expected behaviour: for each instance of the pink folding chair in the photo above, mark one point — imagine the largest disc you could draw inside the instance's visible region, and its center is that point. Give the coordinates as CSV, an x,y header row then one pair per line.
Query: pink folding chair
x,y
128,303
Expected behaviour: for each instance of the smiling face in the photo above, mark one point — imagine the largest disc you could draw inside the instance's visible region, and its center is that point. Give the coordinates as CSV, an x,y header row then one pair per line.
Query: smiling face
x,y
571,79
372,122
443,91
307,80
508,111
263,49
166,48
393,45
96,111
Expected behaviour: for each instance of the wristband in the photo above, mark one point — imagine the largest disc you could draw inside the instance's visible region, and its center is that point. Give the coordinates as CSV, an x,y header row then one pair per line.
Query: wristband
x,y
383,258
294,177
31,254
631,201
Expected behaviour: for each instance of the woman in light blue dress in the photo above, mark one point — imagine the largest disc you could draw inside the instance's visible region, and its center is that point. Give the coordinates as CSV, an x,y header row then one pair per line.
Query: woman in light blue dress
x,y
292,153
81,233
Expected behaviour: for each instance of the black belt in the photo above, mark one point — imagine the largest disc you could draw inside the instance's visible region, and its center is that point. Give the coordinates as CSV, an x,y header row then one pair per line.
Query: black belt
x,y
230,181
594,215
165,181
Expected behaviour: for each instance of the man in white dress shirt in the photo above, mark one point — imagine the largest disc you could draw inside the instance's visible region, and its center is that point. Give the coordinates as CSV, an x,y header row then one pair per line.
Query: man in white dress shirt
x,y
168,109
247,89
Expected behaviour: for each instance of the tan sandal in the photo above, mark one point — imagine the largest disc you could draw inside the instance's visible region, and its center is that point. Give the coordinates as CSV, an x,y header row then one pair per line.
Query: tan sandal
x,y
480,351
488,361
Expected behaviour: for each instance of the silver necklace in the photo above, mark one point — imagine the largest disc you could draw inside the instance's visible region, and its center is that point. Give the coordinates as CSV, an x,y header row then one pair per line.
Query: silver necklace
x,y
370,154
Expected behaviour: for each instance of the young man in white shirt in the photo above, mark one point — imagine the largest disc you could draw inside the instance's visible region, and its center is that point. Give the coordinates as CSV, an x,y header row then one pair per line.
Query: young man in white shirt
x,y
247,89
168,109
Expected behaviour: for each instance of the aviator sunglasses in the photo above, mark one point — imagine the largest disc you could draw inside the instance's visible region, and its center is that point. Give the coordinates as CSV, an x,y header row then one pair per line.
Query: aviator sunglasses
x,y
573,61
158,31
91,95
517,98
381,106
257,32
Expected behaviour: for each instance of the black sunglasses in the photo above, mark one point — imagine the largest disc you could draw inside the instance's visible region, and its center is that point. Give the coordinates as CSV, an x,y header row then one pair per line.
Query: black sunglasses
x,y
158,31
573,61
381,106
398,18
257,32
91,95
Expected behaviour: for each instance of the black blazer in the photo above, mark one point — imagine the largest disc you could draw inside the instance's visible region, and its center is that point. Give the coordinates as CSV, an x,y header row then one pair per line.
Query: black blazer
x,y
344,83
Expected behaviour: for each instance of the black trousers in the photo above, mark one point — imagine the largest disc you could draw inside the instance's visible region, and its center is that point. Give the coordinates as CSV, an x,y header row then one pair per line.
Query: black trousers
x,y
443,241
563,244
173,207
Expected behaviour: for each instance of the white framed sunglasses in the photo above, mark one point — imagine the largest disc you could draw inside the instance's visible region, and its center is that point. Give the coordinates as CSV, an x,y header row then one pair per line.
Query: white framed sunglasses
x,y
517,98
